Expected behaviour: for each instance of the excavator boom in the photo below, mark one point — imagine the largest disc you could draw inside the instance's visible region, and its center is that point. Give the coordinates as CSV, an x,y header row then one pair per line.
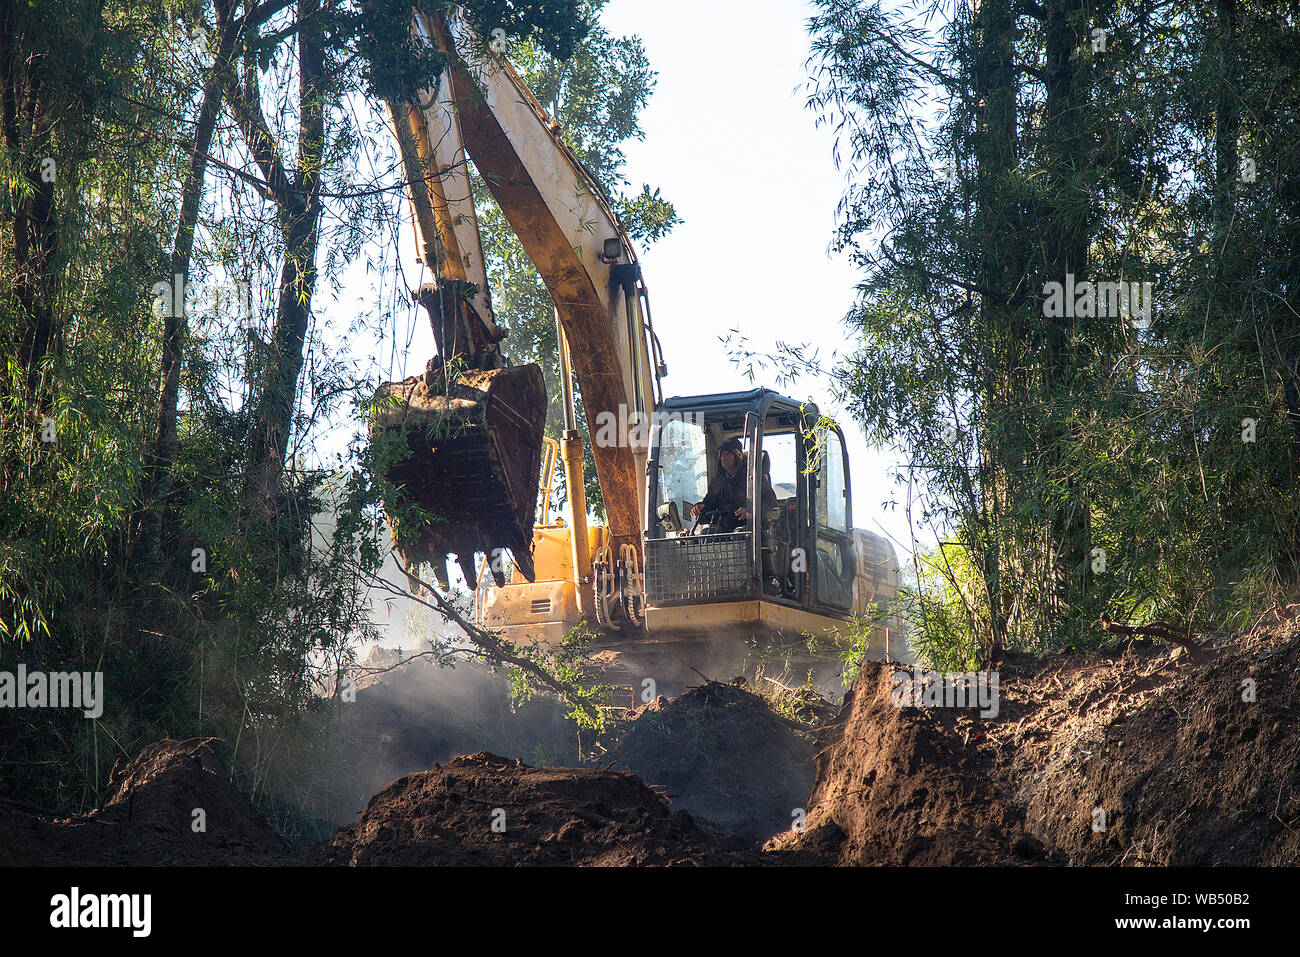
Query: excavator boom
x,y
475,435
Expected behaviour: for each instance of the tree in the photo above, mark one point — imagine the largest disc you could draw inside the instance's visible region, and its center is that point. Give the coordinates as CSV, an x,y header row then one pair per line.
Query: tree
x,y
211,139
1084,458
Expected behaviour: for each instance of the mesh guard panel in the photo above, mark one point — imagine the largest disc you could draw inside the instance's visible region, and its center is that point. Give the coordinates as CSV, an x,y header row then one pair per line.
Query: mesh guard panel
x,y
698,568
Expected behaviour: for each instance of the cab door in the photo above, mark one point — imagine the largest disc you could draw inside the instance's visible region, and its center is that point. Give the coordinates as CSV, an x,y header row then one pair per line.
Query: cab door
x,y
835,561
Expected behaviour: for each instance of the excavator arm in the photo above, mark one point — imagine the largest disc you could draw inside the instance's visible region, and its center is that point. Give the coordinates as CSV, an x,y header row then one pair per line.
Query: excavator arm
x,y
481,112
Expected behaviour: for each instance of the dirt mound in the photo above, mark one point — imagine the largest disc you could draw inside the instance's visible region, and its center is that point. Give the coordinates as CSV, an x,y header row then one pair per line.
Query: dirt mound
x,y
724,756
1130,755
26,836
892,789
545,816
149,818
1186,771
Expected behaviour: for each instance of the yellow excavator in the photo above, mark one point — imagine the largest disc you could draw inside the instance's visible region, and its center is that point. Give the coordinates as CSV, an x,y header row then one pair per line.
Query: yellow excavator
x,y
673,591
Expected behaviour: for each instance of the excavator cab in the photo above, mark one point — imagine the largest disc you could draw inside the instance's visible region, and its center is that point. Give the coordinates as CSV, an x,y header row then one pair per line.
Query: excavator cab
x,y
795,550
705,593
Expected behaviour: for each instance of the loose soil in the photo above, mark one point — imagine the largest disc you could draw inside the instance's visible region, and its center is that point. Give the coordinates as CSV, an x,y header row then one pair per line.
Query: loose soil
x,y
1185,768
725,756
542,816
149,818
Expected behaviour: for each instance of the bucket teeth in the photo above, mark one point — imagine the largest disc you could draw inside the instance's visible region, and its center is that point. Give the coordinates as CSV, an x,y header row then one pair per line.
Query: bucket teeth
x,y
465,559
524,562
439,566
475,449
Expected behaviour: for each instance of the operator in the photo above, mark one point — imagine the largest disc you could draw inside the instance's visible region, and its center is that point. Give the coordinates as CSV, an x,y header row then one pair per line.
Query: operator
x,y
728,493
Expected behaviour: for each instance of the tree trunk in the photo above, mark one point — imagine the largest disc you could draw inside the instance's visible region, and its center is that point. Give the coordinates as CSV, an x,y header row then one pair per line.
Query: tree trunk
x,y
166,442
1064,229
1227,125
299,207
995,151
273,417
32,218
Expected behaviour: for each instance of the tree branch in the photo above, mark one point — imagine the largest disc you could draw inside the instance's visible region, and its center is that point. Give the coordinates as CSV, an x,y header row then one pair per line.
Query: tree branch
x,y
1161,630
496,649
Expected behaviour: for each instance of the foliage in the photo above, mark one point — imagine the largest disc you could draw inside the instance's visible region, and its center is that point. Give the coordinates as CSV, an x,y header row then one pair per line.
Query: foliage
x,y
1087,462
569,664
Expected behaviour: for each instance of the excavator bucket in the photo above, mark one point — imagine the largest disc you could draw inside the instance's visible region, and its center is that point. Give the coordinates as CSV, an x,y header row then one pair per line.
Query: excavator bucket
x,y
475,457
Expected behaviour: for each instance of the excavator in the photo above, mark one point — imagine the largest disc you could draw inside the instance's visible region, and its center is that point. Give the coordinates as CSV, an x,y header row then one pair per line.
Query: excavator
x,y
671,595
